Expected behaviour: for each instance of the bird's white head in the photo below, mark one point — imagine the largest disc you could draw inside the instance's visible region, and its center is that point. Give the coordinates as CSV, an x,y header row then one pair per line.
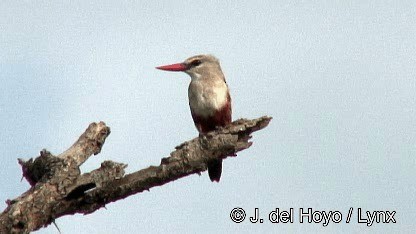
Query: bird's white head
x,y
197,66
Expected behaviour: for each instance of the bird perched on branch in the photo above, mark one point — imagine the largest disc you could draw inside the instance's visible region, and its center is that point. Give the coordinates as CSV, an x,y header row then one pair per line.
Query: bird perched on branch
x,y
209,98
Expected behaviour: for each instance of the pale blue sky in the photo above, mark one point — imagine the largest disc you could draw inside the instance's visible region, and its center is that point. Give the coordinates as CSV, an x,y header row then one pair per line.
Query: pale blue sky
x,y
338,77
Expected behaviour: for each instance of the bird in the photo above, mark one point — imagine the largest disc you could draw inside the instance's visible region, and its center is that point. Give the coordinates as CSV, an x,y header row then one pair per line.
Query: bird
x,y
209,98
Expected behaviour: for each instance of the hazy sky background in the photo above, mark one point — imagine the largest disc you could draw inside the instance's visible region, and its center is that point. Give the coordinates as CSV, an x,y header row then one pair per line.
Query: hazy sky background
x,y
338,78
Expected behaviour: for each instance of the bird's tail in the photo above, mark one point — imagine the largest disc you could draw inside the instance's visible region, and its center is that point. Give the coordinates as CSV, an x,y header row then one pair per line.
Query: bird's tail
x,y
215,169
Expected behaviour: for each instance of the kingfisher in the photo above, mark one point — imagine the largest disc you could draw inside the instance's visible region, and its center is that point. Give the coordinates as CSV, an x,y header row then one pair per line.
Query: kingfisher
x,y
209,98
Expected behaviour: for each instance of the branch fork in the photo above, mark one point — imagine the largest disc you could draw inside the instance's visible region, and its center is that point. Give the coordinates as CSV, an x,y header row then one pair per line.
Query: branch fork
x,y
58,188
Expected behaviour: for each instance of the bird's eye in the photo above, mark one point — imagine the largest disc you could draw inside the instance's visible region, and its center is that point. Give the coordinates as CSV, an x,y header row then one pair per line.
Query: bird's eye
x,y
196,63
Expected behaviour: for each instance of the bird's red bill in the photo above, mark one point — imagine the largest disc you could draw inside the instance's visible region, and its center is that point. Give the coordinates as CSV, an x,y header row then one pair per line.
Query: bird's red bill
x,y
173,67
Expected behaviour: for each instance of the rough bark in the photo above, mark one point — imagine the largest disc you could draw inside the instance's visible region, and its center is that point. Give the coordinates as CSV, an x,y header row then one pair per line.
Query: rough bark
x,y
58,188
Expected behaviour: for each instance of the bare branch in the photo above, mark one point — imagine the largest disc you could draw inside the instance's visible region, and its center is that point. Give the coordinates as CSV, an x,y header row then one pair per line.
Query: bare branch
x,y
58,187
90,142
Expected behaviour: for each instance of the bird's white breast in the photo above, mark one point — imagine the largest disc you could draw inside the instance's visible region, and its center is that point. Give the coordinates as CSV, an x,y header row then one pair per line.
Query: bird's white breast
x,y
205,98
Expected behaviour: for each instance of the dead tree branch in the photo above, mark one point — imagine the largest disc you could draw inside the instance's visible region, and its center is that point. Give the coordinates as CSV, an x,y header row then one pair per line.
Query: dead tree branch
x,y
59,188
